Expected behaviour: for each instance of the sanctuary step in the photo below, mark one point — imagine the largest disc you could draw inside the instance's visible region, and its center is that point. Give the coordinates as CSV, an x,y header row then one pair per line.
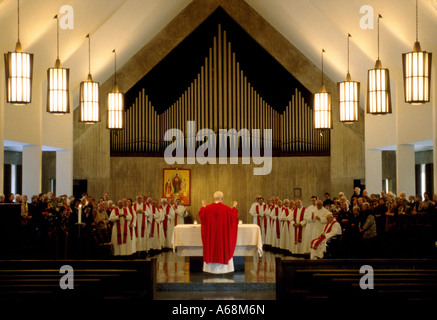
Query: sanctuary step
x,y
179,273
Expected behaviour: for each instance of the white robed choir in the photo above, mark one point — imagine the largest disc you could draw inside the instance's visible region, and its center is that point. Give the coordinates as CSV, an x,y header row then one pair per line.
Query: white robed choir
x,y
287,225
143,226
290,226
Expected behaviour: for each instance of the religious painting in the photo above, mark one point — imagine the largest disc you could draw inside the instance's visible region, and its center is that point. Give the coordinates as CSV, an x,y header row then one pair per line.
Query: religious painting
x,y
177,184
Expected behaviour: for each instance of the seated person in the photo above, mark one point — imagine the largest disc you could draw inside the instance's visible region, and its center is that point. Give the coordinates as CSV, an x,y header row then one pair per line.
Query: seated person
x,y
318,245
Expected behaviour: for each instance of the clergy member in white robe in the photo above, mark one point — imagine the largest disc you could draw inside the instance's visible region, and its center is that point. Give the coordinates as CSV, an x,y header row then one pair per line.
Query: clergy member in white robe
x,y
179,210
265,221
318,245
122,244
168,222
257,212
141,211
285,218
318,219
268,232
156,235
300,231
275,224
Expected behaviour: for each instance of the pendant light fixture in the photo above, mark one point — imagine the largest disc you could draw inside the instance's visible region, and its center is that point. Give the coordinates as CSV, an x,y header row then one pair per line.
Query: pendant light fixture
x,y
378,87
417,71
322,107
348,95
115,103
19,72
58,87
89,95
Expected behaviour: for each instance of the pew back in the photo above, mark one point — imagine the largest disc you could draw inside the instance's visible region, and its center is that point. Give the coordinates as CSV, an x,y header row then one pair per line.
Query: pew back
x,y
391,279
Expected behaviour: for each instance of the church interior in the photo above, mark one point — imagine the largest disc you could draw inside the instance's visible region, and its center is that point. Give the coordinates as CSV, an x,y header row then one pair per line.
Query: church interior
x,y
281,99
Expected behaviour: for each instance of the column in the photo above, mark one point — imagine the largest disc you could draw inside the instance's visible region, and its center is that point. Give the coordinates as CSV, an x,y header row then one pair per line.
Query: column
x,y
64,172
32,160
405,169
373,169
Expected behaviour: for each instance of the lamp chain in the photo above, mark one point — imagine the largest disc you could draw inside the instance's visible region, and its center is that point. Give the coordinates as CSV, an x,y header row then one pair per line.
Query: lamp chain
x,y
18,11
115,67
323,50
417,20
89,54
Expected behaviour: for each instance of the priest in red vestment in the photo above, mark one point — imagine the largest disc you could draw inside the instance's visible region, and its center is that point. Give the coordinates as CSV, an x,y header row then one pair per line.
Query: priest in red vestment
x,y
219,227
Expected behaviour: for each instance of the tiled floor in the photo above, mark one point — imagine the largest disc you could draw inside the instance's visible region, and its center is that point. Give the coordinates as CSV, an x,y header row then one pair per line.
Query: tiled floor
x,y
253,281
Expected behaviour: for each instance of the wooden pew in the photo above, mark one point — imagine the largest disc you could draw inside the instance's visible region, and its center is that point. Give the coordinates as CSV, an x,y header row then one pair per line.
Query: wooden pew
x,y
337,279
92,279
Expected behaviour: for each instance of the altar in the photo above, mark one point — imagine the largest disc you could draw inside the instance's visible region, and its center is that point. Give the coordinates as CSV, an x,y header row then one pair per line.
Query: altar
x,y
187,240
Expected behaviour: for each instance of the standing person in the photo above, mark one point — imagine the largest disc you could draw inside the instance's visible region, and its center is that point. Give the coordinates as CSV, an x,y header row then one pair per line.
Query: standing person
x,y
168,222
318,219
156,234
300,235
179,210
275,231
367,228
101,220
257,212
141,211
121,237
219,228
285,218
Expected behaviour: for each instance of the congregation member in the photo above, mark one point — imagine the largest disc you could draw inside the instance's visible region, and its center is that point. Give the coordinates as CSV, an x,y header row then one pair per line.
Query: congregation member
x,y
101,221
367,228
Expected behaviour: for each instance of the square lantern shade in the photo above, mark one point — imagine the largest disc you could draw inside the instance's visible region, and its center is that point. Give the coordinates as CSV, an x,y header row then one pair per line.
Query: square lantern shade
x,y
115,111
19,72
58,90
322,111
349,99
378,91
89,102
417,76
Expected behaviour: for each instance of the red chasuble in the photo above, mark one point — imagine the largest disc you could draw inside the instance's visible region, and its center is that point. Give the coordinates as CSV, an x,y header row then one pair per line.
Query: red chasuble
x,y
219,227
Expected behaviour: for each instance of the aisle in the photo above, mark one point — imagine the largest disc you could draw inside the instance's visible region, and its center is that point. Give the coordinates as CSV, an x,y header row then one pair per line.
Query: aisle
x,y
255,282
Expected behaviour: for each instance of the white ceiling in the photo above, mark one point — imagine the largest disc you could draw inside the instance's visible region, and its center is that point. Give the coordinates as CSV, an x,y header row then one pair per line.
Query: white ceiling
x,y
126,25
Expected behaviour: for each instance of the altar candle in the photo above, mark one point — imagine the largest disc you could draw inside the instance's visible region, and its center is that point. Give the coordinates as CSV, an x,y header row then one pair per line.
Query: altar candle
x,y
79,219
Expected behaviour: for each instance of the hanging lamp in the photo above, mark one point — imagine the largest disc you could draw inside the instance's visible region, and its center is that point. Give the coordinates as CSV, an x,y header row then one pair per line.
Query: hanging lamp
x,y
19,72
417,71
348,95
58,86
322,107
89,95
378,87
115,103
